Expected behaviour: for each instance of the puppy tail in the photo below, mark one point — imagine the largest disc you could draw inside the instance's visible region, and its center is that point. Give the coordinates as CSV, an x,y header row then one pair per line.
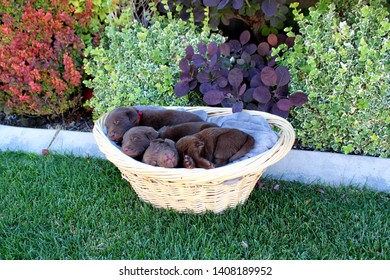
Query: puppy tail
x,y
248,145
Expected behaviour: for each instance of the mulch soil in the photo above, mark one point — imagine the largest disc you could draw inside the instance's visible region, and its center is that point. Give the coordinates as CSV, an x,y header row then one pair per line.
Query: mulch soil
x,y
78,119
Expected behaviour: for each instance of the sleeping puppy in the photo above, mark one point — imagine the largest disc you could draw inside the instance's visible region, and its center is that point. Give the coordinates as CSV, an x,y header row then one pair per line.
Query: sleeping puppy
x,y
175,132
137,139
122,119
161,152
213,147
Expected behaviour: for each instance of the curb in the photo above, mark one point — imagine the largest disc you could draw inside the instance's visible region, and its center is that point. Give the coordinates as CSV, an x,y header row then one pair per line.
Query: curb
x,y
304,166
35,140
333,169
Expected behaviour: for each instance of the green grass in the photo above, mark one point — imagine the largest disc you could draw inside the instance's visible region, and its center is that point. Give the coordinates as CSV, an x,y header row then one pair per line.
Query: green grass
x,y
65,207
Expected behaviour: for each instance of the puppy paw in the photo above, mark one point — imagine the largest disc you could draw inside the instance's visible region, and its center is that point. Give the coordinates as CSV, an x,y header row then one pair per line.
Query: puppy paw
x,y
210,166
204,163
188,162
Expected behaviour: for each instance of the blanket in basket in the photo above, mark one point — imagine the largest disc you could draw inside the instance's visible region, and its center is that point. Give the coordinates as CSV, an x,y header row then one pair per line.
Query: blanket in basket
x,y
257,126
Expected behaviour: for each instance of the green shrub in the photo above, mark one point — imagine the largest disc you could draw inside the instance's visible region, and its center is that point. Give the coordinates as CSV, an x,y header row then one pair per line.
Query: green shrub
x,y
135,65
98,11
341,60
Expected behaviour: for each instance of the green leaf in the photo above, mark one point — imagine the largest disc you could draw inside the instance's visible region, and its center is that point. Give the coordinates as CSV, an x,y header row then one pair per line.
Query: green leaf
x,y
348,149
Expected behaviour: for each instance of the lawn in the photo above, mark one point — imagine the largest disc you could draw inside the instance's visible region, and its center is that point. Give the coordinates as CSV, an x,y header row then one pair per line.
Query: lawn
x,y
66,207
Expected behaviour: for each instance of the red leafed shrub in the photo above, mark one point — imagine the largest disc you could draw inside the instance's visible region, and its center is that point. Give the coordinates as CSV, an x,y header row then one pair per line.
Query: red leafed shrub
x,y
40,61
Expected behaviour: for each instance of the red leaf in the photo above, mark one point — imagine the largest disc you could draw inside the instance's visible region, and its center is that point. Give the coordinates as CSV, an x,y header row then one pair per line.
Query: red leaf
x,y
283,76
199,60
244,37
212,49
237,107
272,39
268,76
276,111
202,48
182,88
235,77
242,90
263,48
213,97
203,77
211,3
262,94
298,98
189,52
269,7
284,104
290,41
184,65
225,49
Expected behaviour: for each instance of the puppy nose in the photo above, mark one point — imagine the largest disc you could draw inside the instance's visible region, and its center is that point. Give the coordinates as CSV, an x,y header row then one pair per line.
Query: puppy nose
x,y
112,135
170,160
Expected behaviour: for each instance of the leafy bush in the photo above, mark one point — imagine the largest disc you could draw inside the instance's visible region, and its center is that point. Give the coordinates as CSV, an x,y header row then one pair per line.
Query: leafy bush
x,y
83,12
341,59
239,74
253,12
97,11
40,60
135,65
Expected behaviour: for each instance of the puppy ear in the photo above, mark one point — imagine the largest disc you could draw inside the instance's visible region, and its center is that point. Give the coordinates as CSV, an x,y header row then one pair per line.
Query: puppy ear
x,y
132,114
170,143
152,134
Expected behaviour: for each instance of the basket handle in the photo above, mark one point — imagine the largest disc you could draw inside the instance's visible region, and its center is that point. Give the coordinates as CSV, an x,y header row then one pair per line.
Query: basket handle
x,y
286,140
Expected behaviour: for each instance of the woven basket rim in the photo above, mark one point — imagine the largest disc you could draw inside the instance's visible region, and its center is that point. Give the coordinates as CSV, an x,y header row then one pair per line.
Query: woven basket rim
x,y
198,175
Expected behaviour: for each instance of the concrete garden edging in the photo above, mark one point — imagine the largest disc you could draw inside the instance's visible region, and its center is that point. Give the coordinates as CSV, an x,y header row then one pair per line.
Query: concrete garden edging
x,y
304,166
333,169
35,140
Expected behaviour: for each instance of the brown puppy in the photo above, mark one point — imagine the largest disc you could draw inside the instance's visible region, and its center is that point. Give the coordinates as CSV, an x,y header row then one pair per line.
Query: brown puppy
x,y
175,132
137,139
161,152
122,119
213,147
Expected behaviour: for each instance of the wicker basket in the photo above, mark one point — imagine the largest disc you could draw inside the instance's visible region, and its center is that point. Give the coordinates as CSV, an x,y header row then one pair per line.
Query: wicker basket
x,y
197,190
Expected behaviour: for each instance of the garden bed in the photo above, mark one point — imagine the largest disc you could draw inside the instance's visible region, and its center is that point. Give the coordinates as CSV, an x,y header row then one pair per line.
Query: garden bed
x,y
78,119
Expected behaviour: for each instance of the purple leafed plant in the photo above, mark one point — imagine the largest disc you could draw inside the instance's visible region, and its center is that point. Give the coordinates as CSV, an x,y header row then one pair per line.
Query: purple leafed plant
x,y
220,10
240,75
